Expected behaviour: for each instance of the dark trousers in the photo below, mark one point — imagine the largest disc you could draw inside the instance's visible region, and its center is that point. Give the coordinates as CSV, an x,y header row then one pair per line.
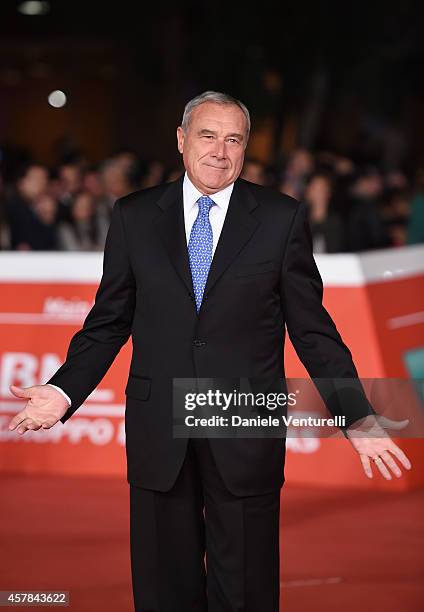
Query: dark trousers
x,y
172,531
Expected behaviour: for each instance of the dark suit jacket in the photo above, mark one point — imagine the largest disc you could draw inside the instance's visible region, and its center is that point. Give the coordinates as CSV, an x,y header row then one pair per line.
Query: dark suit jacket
x,y
263,279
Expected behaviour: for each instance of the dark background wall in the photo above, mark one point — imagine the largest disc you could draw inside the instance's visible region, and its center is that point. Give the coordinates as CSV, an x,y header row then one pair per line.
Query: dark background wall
x,y
343,76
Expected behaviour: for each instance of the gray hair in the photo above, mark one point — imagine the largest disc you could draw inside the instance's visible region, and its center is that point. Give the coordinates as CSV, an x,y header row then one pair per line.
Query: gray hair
x,y
218,98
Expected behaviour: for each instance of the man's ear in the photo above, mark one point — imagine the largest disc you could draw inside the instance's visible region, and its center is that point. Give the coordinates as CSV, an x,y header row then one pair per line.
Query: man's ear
x,y
180,139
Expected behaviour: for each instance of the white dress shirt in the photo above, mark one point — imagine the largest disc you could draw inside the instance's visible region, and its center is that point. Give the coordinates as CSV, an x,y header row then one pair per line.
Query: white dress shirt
x,y
62,392
217,213
191,209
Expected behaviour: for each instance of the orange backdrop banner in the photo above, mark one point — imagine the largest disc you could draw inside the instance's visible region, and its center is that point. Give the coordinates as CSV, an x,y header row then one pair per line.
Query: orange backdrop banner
x,y
376,300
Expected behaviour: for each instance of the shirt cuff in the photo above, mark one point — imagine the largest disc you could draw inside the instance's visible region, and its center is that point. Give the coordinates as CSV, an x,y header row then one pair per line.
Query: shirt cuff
x,y
62,392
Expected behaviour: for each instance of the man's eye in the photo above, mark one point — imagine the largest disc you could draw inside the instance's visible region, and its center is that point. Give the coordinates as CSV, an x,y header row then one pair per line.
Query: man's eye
x,y
233,140
207,136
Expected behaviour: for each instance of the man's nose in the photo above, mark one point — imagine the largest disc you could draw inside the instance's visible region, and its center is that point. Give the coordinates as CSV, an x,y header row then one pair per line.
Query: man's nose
x,y
219,149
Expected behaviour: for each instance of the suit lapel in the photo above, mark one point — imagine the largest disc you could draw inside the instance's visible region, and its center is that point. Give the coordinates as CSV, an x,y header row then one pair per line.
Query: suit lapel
x,y
238,228
171,228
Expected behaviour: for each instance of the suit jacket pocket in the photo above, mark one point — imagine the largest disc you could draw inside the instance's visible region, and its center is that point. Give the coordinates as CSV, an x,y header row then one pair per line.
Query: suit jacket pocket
x,y
138,387
255,268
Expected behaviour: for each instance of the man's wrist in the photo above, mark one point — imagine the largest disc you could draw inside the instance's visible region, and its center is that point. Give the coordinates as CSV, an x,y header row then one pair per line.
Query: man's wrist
x,y
68,399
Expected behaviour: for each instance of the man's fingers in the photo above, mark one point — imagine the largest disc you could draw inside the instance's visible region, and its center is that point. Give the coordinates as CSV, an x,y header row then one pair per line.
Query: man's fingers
x,y
366,464
48,424
399,454
29,425
34,426
17,419
388,459
24,426
22,423
382,467
20,391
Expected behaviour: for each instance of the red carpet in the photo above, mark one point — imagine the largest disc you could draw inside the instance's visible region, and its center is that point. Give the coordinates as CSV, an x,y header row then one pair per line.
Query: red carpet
x,y
341,550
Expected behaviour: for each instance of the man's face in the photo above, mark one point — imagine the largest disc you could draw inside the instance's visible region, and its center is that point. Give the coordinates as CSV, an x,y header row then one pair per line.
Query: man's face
x,y
213,145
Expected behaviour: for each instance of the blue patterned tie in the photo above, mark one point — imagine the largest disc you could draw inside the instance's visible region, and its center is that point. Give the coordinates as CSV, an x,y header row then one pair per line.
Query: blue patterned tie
x,y
200,248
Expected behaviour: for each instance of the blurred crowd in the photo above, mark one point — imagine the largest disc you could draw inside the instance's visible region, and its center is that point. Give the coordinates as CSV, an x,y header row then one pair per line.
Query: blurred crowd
x,y
352,207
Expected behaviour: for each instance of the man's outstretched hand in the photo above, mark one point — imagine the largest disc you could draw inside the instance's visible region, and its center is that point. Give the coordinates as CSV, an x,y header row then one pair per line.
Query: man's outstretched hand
x,y
44,408
371,441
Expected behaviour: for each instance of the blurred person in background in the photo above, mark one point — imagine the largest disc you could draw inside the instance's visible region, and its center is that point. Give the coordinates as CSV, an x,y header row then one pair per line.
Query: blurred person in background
x,y
342,170
85,230
115,176
69,183
396,214
253,171
134,170
365,225
119,175
92,183
326,226
396,180
299,167
27,231
153,174
46,209
172,174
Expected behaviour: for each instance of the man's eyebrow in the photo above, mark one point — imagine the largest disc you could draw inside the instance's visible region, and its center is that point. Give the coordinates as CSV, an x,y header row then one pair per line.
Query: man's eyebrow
x,y
204,131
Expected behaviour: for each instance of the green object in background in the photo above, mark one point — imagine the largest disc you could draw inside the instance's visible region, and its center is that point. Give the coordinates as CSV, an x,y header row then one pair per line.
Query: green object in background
x,y
414,361
416,220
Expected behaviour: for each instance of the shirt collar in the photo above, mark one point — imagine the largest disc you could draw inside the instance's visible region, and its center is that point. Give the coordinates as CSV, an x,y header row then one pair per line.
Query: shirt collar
x,y
191,194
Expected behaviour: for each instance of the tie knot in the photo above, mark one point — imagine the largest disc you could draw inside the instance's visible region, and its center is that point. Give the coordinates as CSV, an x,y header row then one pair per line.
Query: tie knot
x,y
205,204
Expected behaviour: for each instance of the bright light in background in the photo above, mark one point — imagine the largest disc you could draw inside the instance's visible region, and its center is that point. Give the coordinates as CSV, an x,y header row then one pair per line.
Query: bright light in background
x,y
57,98
34,7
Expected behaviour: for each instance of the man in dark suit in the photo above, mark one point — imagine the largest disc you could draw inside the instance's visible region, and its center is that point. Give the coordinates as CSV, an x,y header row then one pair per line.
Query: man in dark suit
x,y
205,274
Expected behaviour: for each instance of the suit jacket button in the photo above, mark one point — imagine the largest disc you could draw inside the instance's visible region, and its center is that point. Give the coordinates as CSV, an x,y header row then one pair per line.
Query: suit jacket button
x,y
197,343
